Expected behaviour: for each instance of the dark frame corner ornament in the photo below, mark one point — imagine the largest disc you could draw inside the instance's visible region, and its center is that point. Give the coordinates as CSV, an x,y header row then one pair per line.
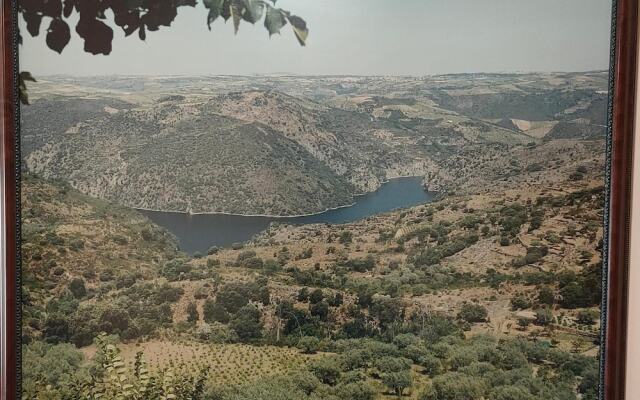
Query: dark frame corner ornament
x,y
622,102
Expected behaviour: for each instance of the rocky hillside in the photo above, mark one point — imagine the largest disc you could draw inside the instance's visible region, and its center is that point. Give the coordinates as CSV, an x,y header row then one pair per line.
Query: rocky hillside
x,y
68,236
298,145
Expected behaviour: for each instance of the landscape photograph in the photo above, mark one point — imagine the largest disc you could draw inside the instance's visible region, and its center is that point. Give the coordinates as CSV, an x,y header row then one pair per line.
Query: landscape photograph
x,y
360,200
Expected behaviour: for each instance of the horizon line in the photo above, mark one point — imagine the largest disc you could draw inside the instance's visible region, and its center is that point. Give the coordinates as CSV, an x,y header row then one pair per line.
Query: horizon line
x,y
292,74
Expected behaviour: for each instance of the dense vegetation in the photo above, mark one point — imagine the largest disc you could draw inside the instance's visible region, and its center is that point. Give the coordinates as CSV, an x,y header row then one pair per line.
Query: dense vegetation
x,y
358,331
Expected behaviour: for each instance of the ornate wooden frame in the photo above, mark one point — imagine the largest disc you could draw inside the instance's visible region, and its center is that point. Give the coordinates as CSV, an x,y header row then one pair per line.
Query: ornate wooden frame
x,y
617,211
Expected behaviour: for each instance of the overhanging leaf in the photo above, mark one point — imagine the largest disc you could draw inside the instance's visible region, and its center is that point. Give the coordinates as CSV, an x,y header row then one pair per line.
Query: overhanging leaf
x,y
58,35
96,34
26,76
226,10
33,21
274,20
22,86
299,28
215,10
253,10
237,7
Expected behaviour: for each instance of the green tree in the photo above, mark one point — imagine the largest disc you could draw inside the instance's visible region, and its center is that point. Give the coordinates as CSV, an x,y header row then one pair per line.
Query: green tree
x,y
247,323
320,310
511,392
231,299
309,344
546,296
392,364
192,313
455,386
574,295
327,369
356,391
214,312
471,312
398,381
387,310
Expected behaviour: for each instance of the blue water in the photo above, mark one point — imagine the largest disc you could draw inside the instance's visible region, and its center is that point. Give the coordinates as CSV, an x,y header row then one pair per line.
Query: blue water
x,y
200,232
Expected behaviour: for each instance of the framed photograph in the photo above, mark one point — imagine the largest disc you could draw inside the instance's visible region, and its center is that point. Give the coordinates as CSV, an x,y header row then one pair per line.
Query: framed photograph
x,y
316,199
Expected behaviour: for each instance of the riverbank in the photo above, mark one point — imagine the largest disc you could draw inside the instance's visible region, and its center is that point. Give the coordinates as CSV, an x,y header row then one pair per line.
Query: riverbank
x,y
287,216
198,232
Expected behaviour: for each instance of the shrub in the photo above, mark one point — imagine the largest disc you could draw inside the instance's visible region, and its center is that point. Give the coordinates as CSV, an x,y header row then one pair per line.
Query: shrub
x,y
511,393
546,296
247,323
253,263
473,313
306,254
355,359
519,302
192,313
76,245
303,294
54,364
320,310
574,295
232,298
271,267
336,300
392,364
316,296
454,386
576,176
534,254
214,312
77,288
462,357
356,391
524,323
309,344
432,365
587,317
326,369
544,317
175,269
119,239
345,237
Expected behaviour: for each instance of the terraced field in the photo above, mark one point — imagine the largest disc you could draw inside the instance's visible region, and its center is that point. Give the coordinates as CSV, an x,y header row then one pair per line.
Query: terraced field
x,y
229,364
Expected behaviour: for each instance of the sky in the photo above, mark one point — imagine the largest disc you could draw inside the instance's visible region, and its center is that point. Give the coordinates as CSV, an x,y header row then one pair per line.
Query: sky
x,y
357,37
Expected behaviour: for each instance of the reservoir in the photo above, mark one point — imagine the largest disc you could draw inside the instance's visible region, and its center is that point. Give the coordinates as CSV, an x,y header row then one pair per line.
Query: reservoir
x,y
200,232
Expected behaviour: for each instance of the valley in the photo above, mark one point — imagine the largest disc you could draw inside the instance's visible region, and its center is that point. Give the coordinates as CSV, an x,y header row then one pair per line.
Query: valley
x,y
481,280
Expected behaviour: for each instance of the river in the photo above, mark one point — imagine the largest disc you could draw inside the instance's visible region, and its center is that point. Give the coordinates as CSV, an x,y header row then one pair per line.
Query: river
x,y
200,232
